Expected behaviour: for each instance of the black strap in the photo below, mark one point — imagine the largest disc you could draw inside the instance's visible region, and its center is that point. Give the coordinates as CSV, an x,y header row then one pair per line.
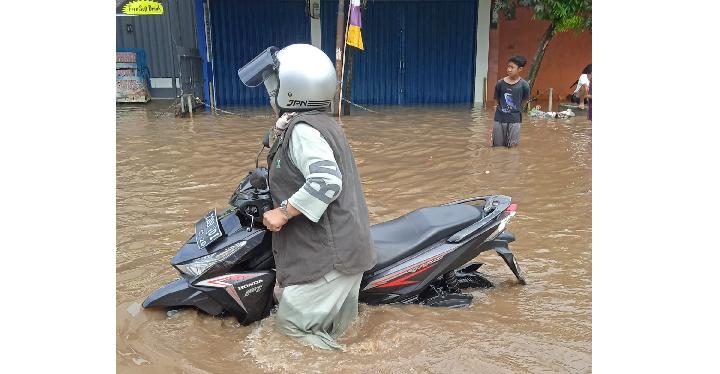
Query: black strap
x,y
273,150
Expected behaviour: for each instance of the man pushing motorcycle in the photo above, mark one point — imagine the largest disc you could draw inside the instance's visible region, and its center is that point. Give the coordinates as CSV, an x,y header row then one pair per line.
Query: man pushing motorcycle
x,y
321,231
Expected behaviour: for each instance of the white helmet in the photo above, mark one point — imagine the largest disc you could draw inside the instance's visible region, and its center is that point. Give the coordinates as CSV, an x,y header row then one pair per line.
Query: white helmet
x,y
297,77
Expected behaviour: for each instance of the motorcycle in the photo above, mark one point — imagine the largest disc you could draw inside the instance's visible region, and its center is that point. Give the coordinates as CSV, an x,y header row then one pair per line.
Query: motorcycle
x,y
423,257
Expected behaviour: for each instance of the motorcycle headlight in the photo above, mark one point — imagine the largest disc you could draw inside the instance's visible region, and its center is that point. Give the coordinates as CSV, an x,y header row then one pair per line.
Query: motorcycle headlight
x,y
200,265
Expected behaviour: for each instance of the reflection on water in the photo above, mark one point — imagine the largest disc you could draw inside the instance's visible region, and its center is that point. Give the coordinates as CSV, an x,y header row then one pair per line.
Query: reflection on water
x,y
170,171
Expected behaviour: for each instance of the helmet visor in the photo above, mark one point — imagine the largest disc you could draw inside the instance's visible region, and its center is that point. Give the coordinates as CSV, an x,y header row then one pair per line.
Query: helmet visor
x,y
253,73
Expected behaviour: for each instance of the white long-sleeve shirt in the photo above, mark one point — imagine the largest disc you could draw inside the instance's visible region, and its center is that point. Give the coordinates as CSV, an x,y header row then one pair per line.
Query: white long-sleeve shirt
x,y
312,155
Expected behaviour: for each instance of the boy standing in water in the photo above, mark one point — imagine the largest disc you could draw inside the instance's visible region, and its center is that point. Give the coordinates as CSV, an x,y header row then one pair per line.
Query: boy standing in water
x,y
510,94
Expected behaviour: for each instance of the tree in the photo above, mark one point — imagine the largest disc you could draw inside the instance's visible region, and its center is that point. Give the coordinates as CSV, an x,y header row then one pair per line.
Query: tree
x,y
563,15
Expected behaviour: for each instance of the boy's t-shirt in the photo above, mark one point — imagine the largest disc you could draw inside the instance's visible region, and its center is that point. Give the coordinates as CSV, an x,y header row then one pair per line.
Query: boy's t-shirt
x,y
510,98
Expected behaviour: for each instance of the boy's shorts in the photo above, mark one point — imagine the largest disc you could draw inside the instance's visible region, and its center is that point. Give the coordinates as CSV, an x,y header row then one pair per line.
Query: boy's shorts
x,y
505,134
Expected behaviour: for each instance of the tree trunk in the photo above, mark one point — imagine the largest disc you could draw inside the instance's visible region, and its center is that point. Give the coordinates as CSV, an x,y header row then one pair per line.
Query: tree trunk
x,y
540,54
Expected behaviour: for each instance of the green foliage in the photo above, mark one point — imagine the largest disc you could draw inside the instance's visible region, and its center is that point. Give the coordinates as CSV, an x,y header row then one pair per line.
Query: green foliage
x,y
563,14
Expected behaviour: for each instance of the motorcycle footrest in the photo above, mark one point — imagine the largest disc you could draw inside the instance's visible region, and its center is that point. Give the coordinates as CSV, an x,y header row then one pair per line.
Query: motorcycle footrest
x,y
450,300
472,279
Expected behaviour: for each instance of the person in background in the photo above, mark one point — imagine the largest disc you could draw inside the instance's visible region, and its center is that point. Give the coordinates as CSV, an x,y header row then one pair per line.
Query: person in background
x,y
589,97
510,94
582,87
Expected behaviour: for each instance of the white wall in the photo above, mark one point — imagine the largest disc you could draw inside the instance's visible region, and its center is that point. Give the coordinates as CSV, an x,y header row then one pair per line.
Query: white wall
x,y
483,47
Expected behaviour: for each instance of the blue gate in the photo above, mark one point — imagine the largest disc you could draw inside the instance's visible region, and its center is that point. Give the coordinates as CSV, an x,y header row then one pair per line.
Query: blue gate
x,y
241,30
416,52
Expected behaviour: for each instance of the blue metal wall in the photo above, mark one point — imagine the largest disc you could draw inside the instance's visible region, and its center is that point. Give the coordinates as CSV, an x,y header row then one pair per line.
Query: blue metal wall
x,y
241,30
415,51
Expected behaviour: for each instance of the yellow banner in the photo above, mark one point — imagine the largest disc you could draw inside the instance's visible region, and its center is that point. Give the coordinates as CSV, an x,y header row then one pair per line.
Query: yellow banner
x,y
354,37
143,8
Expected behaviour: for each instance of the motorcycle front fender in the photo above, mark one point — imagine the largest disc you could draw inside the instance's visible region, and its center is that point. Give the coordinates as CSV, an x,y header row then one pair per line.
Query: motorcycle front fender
x,y
180,293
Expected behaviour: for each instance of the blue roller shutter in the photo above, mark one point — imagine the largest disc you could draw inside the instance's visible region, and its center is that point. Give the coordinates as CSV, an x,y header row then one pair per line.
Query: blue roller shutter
x,y
416,52
241,30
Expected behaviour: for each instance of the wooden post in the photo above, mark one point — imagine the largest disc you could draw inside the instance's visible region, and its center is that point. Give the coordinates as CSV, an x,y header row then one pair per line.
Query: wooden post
x,y
484,91
339,43
190,104
550,100
212,98
348,85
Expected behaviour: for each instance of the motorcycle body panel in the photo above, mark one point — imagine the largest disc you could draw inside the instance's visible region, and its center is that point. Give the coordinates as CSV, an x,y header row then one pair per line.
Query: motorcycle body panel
x,y
179,293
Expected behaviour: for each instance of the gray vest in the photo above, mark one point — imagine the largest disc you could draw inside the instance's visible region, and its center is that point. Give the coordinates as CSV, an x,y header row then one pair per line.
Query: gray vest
x,y
305,251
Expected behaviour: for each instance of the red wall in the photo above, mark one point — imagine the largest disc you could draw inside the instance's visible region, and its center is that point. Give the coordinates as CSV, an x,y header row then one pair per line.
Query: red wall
x,y
565,57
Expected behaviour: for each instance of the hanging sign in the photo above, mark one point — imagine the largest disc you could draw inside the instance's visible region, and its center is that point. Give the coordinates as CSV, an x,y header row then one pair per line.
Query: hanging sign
x,y
142,8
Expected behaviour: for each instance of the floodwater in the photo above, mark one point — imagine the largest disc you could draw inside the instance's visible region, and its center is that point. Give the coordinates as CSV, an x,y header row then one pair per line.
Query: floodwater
x,y
171,171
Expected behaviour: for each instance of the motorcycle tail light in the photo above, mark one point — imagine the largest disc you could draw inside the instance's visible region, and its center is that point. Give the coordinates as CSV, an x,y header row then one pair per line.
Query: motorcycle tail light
x,y
503,222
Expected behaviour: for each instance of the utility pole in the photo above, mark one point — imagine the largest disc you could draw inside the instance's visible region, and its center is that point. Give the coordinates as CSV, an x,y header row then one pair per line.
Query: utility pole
x,y
339,43
348,86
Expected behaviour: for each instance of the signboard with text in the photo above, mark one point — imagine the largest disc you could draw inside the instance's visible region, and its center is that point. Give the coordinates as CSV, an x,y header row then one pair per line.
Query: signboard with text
x,y
138,8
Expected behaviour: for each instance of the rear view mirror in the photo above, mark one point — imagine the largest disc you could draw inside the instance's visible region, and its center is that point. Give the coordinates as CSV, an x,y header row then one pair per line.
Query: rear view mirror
x,y
266,144
266,139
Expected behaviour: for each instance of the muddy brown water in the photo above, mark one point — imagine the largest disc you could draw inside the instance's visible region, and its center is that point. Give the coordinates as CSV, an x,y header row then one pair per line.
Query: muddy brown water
x,y
170,171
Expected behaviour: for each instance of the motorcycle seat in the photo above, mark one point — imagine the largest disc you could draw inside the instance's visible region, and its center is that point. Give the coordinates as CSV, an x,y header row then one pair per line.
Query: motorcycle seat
x,y
418,229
